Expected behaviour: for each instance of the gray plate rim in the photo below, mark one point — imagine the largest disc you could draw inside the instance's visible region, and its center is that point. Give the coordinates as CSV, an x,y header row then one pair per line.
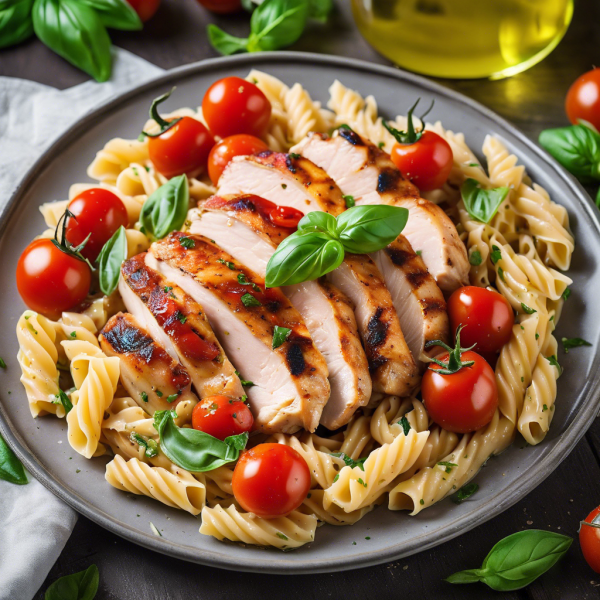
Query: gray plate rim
x,y
256,560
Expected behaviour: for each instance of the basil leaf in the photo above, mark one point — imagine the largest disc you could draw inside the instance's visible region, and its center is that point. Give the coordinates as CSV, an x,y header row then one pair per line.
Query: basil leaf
x,y
466,491
74,31
166,208
110,259
15,22
577,148
78,586
319,9
482,204
249,300
116,14
405,425
276,24
280,335
475,258
303,258
225,43
570,343
364,229
517,560
194,450
11,469
318,221
350,462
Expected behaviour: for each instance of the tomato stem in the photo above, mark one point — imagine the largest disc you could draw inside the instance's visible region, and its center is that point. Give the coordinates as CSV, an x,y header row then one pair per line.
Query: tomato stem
x,y
410,136
155,116
454,364
64,245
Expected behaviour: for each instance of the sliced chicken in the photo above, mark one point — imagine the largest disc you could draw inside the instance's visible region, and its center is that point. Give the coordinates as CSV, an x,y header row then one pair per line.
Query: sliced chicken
x,y
290,381
151,376
392,367
286,179
239,227
418,300
178,322
367,173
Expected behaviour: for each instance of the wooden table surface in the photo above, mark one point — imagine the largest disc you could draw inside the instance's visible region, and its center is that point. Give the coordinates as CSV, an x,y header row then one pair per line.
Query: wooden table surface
x,y
533,101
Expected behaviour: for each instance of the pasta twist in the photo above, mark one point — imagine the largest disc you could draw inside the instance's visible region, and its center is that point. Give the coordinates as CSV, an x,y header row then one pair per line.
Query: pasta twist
x,y
333,514
116,156
357,437
502,166
385,425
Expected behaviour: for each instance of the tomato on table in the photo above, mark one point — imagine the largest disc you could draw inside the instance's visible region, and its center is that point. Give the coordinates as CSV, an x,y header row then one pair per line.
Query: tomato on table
x,y
486,316
459,389
583,99
222,416
51,281
589,539
423,157
234,145
222,7
145,8
271,480
233,105
98,213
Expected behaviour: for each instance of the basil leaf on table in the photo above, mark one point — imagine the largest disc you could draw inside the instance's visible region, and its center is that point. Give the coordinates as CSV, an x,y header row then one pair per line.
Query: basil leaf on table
x,y
78,586
11,469
110,259
319,9
369,228
480,203
225,43
15,22
166,208
194,450
517,560
74,31
577,148
116,14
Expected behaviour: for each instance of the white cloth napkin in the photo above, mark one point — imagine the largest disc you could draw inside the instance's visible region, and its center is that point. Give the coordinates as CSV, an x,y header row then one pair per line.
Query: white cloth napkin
x,y
34,524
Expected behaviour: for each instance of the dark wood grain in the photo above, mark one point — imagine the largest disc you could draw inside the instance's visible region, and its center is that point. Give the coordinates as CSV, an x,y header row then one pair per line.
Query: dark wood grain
x,y
532,100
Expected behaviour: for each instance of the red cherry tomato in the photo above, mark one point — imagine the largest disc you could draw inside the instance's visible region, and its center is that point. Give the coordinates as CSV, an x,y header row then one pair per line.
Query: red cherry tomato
x,y
583,99
49,280
233,105
226,149
184,148
222,416
463,401
271,480
285,216
486,315
145,8
221,7
98,212
426,162
589,540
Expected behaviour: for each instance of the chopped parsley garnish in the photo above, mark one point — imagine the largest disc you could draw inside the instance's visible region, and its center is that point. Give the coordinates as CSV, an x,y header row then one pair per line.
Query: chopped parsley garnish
x,y
62,398
294,155
30,327
421,502
284,186
249,300
475,258
362,482
172,397
381,145
466,491
73,334
144,396
570,343
566,294
243,381
181,317
545,408
244,281
167,289
501,273
554,362
496,254
234,415
187,242
405,425
2,363
350,202
419,252
336,478
280,335
159,393
527,309
449,465
227,263
474,164
149,445
367,538
281,535
244,397
350,462
537,335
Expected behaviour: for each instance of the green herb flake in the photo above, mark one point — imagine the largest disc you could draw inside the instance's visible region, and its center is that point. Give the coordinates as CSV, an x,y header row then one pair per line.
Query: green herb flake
x,y
527,309
144,396
422,502
244,398
495,255
294,155
181,317
466,491
570,343
159,393
537,335
362,482
565,295
368,538
73,334
62,398
336,478
405,425
172,398
545,408
280,335
381,145
227,263
501,274
2,364
350,462
475,258
187,242
554,362
167,289
419,252
284,186
243,280
243,381
449,465
281,535
150,446
249,300
350,202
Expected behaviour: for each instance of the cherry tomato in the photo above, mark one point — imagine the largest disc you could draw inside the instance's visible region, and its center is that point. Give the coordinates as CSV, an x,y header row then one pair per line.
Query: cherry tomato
x,y
221,7
271,480
486,315
286,216
233,105
226,149
145,8
183,148
49,280
464,400
98,212
589,540
222,416
583,99
426,162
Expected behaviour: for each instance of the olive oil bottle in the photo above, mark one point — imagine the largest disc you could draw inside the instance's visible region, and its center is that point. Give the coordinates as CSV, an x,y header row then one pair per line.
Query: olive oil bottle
x,y
464,38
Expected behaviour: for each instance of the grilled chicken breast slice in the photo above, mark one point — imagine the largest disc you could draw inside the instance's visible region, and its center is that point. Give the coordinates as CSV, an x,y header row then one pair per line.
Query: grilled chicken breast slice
x,y
240,228
367,173
290,381
151,376
418,300
178,322
392,367
283,179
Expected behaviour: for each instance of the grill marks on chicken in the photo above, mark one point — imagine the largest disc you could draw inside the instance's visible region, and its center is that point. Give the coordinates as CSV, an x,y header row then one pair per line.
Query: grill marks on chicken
x,y
291,383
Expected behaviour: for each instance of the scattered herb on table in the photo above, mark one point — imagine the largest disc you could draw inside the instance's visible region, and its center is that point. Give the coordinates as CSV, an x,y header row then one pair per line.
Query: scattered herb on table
x,y
570,343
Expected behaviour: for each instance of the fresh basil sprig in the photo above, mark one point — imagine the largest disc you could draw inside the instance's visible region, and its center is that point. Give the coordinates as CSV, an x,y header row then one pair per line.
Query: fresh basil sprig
x,y
116,14
319,10
110,259
166,208
321,241
482,204
11,469
194,450
78,586
517,560
15,22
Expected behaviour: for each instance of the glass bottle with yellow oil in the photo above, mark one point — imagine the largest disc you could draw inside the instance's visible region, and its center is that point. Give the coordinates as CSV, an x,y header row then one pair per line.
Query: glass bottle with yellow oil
x,y
464,38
